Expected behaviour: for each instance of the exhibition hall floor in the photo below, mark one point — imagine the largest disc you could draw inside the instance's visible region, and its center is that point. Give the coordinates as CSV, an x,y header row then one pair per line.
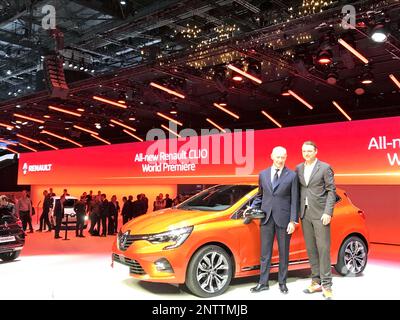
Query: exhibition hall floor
x,y
81,269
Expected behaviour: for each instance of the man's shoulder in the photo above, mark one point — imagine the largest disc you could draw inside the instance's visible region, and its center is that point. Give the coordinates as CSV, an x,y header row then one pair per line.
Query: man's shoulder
x,y
300,165
264,171
323,164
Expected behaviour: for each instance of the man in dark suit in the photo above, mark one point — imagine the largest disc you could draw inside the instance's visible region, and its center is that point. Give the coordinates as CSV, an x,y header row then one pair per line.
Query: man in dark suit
x,y
44,218
59,214
278,198
317,200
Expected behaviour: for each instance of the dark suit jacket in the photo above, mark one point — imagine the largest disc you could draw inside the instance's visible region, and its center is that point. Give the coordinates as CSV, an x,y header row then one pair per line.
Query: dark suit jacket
x,y
282,202
58,209
320,191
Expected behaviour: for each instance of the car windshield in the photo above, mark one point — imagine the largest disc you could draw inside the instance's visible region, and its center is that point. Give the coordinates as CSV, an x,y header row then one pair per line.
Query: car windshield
x,y
69,202
217,198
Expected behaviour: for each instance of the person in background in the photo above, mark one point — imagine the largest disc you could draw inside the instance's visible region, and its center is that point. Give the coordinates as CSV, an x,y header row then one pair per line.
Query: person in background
x,y
65,193
168,201
7,207
59,215
158,204
145,202
51,193
125,210
24,211
137,206
95,216
130,207
104,207
44,217
80,210
114,210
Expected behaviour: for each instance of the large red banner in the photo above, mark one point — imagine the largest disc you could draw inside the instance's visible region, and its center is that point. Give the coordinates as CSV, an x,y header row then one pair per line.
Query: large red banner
x,y
360,152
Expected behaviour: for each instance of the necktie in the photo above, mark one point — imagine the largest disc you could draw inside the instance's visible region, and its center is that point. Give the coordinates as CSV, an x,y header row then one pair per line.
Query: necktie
x,y
275,179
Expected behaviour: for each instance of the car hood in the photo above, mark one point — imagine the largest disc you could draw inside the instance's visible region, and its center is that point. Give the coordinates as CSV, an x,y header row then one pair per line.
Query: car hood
x,y
168,219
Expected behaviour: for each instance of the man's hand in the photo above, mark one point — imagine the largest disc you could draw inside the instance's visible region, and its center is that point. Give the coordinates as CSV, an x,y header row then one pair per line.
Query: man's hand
x,y
290,228
326,219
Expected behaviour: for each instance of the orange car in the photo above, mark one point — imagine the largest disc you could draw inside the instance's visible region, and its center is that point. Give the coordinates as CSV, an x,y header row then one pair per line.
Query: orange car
x,y
204,242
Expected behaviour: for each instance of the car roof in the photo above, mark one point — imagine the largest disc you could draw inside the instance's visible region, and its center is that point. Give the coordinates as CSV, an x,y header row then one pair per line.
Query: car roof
x,y
66,197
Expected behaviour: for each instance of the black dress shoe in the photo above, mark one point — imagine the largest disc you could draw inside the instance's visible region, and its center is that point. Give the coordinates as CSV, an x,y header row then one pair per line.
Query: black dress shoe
x,y
283,288
259,287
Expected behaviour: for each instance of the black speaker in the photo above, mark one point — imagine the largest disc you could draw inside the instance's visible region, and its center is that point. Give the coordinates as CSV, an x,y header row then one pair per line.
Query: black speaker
x,y
55,77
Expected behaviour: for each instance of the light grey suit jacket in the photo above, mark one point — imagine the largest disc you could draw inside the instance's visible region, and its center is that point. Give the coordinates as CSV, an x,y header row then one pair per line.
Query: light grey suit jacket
x,y
320,191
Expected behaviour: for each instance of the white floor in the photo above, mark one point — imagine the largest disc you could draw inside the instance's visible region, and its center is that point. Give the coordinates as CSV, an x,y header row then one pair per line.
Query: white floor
x,y
90,276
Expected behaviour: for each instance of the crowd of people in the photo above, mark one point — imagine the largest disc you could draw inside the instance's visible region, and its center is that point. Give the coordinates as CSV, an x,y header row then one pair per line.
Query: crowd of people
x,y
102,213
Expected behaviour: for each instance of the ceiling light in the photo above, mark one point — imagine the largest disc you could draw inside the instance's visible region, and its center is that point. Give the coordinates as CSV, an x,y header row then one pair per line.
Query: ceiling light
x,y
226,110
27,138
27,147
359,91
9,72
111,102
237,78
353,51
132,119
173,92
170,130
100,139
86,130
80,110
28,118
122,125
395,80
272,119
216,125
309,106
332,78
324,57
48,144
9,149
367,78
173,112
169,119
379,33
244,74
341,110
132,135
6,125
65,111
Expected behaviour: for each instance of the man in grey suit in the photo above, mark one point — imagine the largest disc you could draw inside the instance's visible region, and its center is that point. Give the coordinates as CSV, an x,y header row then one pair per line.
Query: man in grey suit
x,y
278,198
317,200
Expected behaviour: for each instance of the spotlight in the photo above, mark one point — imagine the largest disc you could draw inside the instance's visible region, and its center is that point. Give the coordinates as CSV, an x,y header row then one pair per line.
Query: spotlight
x,y
379,33
359,91
285,91
367,78
324,57
332,78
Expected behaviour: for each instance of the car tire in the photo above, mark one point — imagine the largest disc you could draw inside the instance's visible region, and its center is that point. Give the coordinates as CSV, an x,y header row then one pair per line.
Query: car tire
x,y
9,256
209,272
352,257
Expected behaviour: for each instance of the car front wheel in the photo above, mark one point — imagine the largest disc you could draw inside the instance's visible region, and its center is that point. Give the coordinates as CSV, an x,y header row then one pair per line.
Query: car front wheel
x,y
352,257
210,272
9,256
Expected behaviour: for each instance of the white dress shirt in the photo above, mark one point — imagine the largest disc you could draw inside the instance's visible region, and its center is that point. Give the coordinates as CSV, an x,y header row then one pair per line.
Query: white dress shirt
x,y
308,169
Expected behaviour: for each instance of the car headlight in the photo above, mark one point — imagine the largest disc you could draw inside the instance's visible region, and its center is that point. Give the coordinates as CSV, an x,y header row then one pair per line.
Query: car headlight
x,y
178,236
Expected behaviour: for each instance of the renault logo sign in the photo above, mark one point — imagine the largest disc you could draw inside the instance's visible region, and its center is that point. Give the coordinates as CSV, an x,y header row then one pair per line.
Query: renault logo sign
x,y
123,239
36,167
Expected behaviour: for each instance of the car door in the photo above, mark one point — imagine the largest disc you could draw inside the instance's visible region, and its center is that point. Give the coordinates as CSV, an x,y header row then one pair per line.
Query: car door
x,y
250,245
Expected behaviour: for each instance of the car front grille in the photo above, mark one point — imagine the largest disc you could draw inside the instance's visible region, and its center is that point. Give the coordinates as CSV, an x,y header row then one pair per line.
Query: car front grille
x,y
134,266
